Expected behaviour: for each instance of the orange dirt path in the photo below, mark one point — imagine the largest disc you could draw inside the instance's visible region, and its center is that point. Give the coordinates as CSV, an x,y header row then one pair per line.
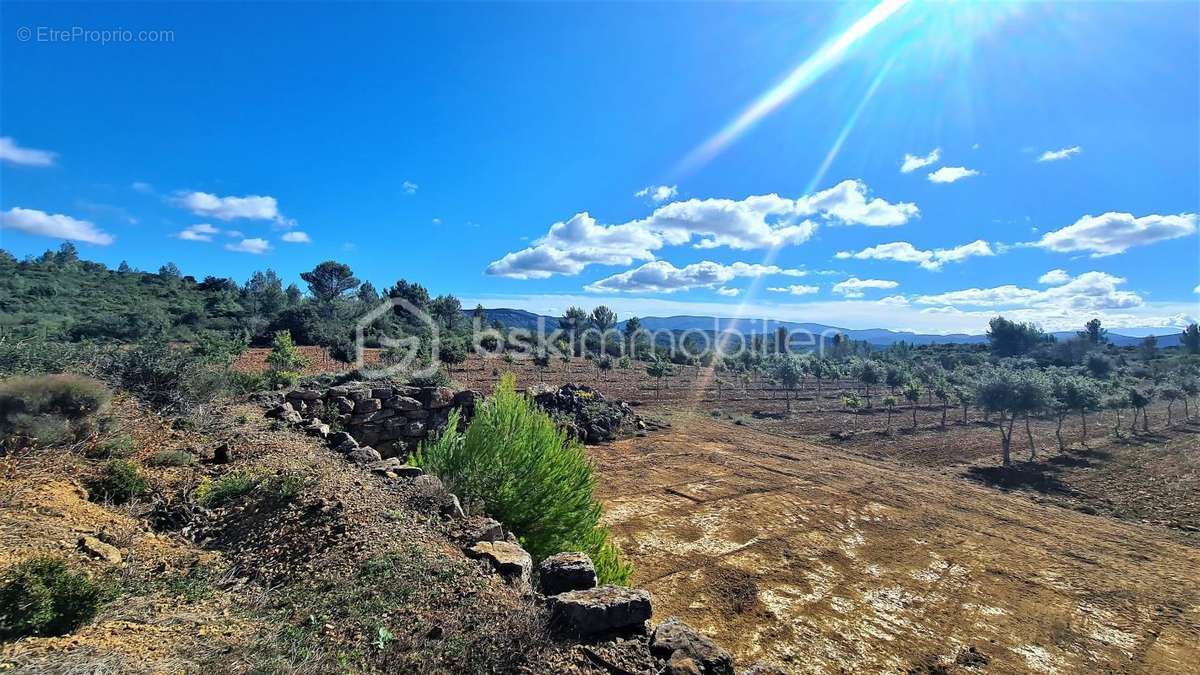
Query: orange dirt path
x,y
803,556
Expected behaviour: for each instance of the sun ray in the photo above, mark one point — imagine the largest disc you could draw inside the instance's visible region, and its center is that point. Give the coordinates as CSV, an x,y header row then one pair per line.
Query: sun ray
x,y
796,81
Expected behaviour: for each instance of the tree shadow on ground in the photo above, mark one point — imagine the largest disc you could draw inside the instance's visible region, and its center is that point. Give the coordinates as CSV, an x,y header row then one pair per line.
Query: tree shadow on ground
x,y
1037,476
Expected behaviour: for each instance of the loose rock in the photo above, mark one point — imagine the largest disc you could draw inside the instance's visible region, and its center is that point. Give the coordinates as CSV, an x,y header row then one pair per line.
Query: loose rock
x,y
509,560
564,572
674,638
98,549
600,610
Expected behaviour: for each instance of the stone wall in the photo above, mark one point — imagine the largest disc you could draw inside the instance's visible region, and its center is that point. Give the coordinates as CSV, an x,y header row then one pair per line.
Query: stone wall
x,y
390,418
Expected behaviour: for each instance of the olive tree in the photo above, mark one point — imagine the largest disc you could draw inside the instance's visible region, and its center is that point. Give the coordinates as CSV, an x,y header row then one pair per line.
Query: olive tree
x,y
912,394
1171,394
1010,393
789,370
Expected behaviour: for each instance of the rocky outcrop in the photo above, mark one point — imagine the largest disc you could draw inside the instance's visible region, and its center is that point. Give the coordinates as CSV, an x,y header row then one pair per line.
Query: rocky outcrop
x,y
564,572
675,641
390,418
600,611
586,414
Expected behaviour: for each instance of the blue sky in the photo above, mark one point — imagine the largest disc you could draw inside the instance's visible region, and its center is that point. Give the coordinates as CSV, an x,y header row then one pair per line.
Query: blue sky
x,y
441,143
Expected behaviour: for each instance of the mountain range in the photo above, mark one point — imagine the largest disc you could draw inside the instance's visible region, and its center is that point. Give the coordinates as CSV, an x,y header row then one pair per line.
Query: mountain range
x,y
519,318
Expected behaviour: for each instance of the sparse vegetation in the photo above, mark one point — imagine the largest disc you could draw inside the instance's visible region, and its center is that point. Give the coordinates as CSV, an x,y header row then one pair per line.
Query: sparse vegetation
x,y
121,482
226,489
43,597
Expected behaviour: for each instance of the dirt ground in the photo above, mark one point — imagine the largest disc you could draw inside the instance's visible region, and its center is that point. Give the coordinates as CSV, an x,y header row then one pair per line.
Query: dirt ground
x,y
820,560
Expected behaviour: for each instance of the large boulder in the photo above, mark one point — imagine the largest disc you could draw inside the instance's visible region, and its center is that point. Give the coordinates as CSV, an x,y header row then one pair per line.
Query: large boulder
x,y
564,572
508,559
364,455
596,611
675,640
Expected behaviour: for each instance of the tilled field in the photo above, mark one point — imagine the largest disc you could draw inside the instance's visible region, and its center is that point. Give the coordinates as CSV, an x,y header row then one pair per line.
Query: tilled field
x,y
823,561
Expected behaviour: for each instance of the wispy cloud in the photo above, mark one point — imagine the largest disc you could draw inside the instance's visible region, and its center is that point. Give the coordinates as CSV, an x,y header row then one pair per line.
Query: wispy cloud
x,y
661,276
913,162
58,226
409,187
950,174
1054,278
854,287
14,154
902,251
658,193
1056,155
795,289
296,237
199,232
255,246
729,292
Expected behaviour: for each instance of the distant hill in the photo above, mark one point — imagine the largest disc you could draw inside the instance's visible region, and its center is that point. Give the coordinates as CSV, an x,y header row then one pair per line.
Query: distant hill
x,y
519,318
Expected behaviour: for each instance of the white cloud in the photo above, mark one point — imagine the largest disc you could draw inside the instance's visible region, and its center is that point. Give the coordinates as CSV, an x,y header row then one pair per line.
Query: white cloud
x,y
436,221
661,276
950,174
1114,233
729,292
250,207
795,289
14,154
1054,278
409,187
296,237
914,162
854,287
255,246
658,193
1055,155
755,222
200,232
139,186
1196,289
902,251
1088,291
58,226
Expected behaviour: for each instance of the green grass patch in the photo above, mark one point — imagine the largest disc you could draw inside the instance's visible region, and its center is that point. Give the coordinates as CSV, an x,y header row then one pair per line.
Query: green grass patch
x,y
226,489
171,458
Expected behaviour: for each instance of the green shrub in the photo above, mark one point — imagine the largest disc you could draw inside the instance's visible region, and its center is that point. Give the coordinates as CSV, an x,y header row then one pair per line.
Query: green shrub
x,y
122,481
43,597
49,410
118,446
171,458
437,378
68,396
213,493
514,462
